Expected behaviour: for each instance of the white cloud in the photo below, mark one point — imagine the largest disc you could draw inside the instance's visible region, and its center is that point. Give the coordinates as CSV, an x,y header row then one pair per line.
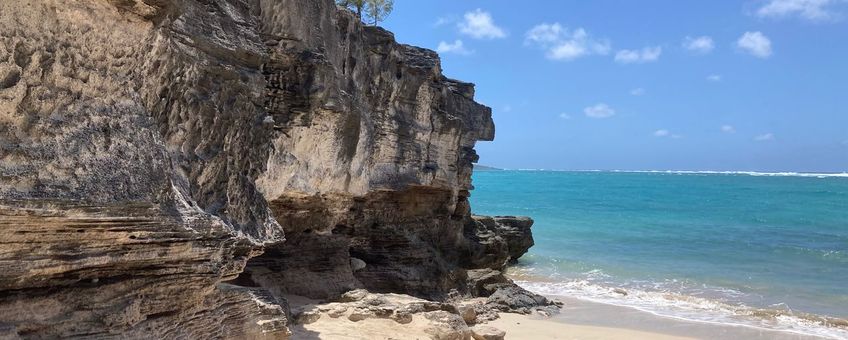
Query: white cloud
x,y
714,77
479,25
813,10
645,55
545,33
564,115
599,111
755,43
764,137
455,47
662,133
562,44
728,129
638,92
702,44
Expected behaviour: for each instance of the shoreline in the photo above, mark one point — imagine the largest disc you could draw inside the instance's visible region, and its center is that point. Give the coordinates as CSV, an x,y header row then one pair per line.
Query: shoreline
x,y
333,320
579,312
578,319
665,308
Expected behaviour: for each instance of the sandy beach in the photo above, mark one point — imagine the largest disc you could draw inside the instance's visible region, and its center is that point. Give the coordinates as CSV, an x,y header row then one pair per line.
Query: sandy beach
x,y
579,319
524,327
516,326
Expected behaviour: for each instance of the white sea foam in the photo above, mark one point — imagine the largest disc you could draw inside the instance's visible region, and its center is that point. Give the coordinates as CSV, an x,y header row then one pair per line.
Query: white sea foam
x,y
691,308
711,172
749,173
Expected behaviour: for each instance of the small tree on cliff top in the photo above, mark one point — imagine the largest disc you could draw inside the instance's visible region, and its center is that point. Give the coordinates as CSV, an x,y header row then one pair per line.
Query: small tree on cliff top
x,y
378,10
375,10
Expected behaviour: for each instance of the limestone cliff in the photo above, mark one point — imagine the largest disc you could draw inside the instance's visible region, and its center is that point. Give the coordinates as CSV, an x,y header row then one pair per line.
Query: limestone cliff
x,y
173,168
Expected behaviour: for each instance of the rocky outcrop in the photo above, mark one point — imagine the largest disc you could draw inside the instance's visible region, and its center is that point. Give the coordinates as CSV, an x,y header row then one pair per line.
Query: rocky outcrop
x,y
438,320
413,317
497,241
130,143
172,169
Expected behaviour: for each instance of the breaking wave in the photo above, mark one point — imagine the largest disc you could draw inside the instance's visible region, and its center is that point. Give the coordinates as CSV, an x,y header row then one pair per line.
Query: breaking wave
x,y
778,317
710,172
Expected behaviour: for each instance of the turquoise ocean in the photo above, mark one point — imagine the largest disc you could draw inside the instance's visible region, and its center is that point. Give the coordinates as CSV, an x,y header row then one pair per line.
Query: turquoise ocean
x,y
766,250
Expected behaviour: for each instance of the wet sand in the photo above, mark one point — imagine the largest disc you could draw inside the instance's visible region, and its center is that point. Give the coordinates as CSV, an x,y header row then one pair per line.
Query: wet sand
x,y
578,314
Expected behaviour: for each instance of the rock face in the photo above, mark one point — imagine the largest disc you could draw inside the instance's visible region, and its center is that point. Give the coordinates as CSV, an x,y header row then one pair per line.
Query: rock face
x,y
172,168
496,241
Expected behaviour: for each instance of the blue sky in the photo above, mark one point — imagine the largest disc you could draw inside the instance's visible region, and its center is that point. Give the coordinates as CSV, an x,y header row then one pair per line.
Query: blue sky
x,y
759,85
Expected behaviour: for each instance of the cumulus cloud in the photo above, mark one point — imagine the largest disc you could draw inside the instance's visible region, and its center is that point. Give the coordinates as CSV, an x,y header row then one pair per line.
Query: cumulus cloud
x,y
728,129
764,137
563,44
564,116
813,10
599,111
645,55
755,43
455,47
479,24
637,92
714,77
702,44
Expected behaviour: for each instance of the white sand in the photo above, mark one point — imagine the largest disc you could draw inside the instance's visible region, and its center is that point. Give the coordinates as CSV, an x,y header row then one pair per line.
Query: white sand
x,y
578,320
523,327
344,329
516,327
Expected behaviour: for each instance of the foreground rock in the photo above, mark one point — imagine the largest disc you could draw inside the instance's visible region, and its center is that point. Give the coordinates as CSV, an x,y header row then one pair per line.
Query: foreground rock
x,y
358,314
172,169
487,333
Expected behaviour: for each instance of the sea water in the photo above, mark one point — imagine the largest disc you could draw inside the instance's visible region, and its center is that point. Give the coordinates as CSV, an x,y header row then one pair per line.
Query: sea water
x,y
748,249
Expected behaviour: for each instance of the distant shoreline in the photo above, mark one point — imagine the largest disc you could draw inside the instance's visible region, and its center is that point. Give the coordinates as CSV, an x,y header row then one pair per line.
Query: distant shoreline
x,y
686,172
478,167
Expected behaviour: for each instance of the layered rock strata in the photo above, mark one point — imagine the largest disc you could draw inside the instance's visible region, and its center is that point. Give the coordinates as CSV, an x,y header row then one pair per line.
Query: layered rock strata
x,y
172,169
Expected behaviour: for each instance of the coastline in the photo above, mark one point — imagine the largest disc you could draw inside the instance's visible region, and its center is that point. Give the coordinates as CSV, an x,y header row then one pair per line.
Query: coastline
x,y
675,315
578,319
516,326
577,314
705,249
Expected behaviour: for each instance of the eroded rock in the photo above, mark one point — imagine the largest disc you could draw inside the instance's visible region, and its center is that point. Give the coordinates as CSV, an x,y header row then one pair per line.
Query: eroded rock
x,y
481,332
173,169
514,299
446,326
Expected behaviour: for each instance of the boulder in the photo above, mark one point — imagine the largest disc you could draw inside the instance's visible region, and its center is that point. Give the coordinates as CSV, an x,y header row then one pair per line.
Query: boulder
x,y
482,332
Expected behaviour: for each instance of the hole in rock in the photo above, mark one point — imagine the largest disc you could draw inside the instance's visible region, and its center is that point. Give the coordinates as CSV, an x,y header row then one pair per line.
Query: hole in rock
x,y
11,79
244,280
341,229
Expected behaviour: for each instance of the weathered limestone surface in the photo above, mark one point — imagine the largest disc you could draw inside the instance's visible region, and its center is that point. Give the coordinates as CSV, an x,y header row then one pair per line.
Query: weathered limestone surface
x,y
171,169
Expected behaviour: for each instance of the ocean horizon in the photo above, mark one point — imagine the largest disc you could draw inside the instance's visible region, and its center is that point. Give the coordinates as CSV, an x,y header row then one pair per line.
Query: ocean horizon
x,y
755,249
714,172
